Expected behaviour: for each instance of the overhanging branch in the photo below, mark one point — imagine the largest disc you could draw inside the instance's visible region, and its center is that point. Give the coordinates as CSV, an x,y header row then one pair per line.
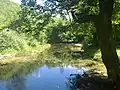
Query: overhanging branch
x,y
83,18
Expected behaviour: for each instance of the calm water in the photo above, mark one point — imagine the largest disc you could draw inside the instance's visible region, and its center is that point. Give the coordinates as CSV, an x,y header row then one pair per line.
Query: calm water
x,y
47,76
42,78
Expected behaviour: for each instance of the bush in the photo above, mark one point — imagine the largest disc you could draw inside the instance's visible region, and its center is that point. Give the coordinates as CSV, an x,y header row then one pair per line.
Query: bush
x,y
11,40
32,42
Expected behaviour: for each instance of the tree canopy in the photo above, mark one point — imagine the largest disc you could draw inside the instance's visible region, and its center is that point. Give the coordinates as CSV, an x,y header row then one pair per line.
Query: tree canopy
x,y
8,12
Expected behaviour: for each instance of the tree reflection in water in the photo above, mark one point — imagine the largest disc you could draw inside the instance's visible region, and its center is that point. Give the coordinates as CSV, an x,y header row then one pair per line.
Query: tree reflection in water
x,y
16,82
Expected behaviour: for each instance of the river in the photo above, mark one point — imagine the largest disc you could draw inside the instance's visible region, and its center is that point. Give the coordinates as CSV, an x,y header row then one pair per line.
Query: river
x,y
49,72
41,76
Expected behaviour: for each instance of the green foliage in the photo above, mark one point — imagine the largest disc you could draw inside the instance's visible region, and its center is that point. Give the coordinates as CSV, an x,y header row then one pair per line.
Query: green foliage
x,y
116,21
54,29
32,23
8,12
116,12
60,30
11,40
78,32
40,26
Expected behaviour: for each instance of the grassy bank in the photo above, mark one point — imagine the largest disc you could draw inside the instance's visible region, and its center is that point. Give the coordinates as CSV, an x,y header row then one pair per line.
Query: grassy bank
x,y
50,55
21,61
27,61
24,55
25,65
97,54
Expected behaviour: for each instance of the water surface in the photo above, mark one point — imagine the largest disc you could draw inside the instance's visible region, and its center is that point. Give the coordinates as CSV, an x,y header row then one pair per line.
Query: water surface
x,y
42,78
49,74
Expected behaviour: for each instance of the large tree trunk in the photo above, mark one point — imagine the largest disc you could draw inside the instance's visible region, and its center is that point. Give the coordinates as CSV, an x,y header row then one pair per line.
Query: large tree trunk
x,y
104,31
105,34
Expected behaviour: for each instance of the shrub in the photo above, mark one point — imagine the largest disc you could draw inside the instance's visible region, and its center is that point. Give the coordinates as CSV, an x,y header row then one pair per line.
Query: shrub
x,y
11,40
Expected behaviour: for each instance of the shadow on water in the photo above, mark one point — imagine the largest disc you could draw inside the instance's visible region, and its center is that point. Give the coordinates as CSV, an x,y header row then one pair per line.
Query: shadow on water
x,y
51,72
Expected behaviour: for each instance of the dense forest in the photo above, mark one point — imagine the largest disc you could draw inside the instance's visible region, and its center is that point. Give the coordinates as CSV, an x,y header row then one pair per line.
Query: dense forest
x,y
32,27
37,27
95,24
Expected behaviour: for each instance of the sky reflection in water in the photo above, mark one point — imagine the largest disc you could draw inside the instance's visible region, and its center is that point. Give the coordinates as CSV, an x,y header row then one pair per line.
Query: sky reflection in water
x,y
43,78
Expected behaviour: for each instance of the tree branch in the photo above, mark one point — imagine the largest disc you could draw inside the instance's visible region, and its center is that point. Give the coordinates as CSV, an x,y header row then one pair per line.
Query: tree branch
x,y
82,18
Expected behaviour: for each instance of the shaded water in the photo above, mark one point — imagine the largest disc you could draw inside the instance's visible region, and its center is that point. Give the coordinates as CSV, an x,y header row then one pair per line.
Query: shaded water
x,y
42,78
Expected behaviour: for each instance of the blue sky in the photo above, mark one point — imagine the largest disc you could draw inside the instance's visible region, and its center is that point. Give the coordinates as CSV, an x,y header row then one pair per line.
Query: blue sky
x,y
18,1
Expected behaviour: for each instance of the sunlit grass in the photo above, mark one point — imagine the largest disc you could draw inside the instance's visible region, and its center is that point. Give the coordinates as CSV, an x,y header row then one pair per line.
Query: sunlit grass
x,y
25,55
97,55
23,60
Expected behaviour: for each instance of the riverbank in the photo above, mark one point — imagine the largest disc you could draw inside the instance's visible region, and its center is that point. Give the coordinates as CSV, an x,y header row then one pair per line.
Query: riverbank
x,y
28,64
23,56
51,55
21,60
